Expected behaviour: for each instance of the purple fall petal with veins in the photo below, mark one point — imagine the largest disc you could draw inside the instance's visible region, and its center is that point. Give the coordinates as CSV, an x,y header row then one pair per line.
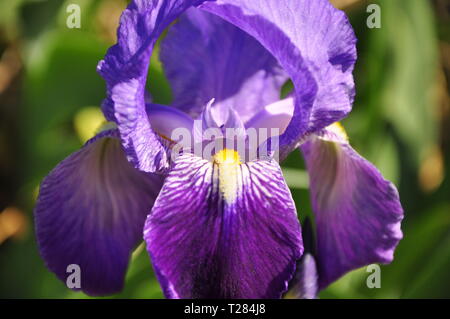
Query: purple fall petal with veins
x,y
224,229
358,213
90,212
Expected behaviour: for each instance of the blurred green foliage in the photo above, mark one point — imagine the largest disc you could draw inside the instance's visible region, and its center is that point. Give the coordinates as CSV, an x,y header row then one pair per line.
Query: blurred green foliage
x,y
400,122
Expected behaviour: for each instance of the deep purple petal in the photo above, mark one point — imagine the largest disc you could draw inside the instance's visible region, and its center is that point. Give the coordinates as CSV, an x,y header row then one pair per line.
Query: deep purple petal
x,y
206,57
224,230
125,69
90,212
358,213
314,43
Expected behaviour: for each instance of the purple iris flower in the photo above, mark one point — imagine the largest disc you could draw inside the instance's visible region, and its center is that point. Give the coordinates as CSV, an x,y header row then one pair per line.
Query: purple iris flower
x,y
224,226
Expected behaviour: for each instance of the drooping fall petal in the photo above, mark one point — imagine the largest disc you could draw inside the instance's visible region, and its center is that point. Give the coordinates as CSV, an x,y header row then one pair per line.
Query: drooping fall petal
x,y
90,212
224,230
358,213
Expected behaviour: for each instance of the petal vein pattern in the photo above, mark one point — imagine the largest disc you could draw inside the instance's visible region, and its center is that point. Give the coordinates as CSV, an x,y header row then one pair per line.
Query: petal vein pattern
x,y
207,240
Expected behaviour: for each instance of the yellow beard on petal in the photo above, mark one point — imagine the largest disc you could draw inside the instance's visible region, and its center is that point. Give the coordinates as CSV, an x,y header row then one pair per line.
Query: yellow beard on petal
x,y
338,129
228,162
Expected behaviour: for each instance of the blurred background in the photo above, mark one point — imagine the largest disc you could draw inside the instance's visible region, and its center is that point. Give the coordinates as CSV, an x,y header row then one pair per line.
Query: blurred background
x,y
49,105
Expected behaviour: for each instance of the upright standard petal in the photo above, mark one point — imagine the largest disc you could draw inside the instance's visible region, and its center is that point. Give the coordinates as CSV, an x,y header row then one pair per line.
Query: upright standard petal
x,y
125,69
223,229
314,43
90,212
358,213
206,57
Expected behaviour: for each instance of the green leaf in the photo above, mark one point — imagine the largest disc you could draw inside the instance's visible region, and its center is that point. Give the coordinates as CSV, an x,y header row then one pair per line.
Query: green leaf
x,y
410,72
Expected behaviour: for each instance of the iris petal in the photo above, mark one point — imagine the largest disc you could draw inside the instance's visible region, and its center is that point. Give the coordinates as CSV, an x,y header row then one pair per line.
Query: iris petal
x,y
166,120
314,43
358,213
276,115
219,118
305,282
125,69
206,57
90,212
224,229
